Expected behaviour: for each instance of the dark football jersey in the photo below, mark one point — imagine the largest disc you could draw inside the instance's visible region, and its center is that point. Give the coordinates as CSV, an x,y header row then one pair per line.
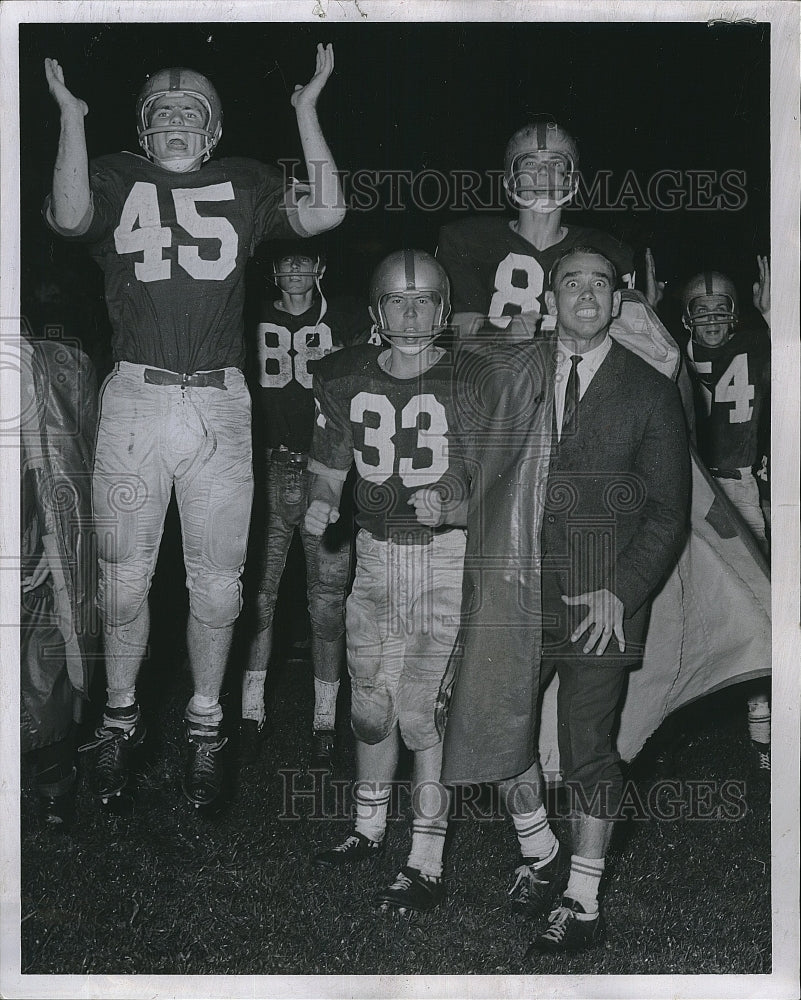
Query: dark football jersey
x,y
285,350
495,272
400,433
732,386
173,249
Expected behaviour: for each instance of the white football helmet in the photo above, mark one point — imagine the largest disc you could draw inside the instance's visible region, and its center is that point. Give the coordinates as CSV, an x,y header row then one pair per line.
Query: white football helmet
x,y
176,81
532,142
709,302
404,272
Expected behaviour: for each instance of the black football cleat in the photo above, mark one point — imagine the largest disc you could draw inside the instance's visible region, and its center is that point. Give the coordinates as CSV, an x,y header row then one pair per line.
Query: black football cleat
x,y
114,748
570,929
353,849
411,890
203,775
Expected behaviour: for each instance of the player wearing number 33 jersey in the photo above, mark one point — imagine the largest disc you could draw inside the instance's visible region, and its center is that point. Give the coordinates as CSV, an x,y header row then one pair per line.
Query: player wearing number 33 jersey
x,y
390,411
398,431
172,232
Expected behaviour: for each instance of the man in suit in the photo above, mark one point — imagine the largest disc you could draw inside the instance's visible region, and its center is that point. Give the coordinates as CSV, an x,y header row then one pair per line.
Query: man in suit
x,y
613,513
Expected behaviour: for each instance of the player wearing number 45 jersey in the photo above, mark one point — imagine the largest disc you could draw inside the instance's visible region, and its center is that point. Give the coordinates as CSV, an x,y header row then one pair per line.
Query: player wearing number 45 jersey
x,y
296,328
172,233
391,412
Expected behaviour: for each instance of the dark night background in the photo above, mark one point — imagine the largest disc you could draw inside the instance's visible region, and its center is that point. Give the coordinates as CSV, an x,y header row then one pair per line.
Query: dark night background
x,y
414,96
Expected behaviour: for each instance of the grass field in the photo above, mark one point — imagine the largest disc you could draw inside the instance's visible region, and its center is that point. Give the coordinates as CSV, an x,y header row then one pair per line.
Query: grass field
x,y
164,890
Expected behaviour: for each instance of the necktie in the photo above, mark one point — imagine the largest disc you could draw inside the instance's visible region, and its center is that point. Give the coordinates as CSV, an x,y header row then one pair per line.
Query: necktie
x,y
572,393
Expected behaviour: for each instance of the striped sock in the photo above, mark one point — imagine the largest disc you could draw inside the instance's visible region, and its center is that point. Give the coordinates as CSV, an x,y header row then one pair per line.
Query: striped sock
x,y
121,718
585,877
203,716
372,803
534,835
428,844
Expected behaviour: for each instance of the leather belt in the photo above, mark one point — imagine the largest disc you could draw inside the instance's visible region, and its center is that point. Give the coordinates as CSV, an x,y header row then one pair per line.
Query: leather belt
x,y
197,380
284,455
726,473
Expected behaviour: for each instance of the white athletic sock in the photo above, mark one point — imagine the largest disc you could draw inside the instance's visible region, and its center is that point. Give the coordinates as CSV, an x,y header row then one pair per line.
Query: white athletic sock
x,y
372,804
325,703
120,697
203,715
253,695
535,835
585,877
428,844
759,718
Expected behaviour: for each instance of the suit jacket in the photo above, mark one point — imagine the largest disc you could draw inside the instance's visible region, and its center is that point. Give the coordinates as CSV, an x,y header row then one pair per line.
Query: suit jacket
x,y
625,474
617,502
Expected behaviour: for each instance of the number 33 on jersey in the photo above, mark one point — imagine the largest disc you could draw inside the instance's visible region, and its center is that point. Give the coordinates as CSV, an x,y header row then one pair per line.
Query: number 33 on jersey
x,y
400,433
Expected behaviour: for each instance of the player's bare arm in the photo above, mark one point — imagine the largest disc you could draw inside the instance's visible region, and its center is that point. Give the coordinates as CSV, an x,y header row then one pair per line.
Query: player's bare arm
x,y
604,618
323,207
325,493
71,201
761,288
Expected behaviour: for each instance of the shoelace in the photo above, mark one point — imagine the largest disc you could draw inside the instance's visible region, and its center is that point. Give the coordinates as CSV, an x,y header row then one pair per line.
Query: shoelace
x,y
558,921
352,841
106,738
204,756
763,760
526,874
401,883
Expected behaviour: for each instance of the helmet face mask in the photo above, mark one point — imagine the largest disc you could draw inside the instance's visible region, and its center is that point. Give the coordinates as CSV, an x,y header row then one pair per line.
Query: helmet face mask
x,y
410,300
541,167
170,86
297,272
710,309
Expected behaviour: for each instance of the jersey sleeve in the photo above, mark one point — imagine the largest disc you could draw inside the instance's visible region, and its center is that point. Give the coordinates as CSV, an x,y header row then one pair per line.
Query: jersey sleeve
x,y
332,442
99,221
275,214
463,271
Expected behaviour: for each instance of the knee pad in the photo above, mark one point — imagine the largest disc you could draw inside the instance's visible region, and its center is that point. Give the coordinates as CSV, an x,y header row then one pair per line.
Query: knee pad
x,y
372,713
215,599
122,590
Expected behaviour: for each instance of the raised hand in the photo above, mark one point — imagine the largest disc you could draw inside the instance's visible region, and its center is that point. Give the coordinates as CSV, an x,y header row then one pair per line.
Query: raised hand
x,y
306,96
654,290
63,97
761,286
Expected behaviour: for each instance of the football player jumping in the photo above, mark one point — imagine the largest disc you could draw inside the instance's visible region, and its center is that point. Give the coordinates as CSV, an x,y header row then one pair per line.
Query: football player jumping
x,y
730,367
295,329
499,266
172,231
391,412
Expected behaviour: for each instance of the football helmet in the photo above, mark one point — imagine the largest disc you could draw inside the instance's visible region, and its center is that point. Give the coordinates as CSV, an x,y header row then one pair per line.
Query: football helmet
x,y
179,80
709,300
286,252
531,141
404,272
